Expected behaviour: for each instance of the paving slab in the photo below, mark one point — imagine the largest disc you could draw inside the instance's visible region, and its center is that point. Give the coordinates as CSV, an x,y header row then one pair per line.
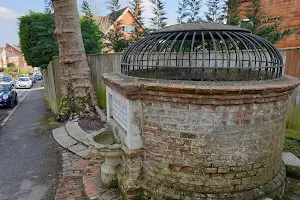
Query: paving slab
x,y
77,147
86,153
292,164
62,137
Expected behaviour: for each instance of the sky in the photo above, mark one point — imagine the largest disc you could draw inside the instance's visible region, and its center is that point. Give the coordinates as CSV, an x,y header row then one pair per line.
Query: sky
x,y
10,10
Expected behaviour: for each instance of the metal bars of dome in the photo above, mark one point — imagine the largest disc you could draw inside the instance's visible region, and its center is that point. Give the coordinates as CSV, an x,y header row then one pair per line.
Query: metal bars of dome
x,y
203,56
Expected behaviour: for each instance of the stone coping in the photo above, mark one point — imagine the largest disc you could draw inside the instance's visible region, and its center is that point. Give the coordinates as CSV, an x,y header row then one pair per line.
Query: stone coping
x,y
177,91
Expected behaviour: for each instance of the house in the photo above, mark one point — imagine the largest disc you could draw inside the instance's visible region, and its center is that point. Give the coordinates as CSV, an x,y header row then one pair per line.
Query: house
x,y
126,20
8,57
15,51
289,10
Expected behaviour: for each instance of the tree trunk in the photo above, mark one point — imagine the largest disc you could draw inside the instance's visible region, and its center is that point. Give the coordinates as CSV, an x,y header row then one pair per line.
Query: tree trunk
x,y
76,88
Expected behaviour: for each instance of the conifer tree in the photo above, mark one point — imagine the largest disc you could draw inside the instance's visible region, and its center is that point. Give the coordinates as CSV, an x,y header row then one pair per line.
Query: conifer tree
x,y
136,7
158,21
231,12
193,10
182,14
263,24
214,14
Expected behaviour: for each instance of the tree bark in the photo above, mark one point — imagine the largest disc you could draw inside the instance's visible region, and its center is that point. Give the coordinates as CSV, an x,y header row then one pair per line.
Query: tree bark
x,y
76,88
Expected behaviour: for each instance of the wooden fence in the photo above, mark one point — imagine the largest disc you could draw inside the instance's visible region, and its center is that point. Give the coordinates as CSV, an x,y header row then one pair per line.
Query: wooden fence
x,y
99,64
292,68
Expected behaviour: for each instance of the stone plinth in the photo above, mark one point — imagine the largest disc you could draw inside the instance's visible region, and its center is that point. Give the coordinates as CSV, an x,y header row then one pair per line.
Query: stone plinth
x,y
216,140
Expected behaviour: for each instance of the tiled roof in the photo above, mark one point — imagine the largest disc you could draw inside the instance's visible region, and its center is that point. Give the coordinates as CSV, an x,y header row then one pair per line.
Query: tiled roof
x,y
105,22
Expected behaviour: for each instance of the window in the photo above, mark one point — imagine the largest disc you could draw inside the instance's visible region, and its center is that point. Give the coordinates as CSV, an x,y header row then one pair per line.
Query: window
x,y
4,88
128,28
23,79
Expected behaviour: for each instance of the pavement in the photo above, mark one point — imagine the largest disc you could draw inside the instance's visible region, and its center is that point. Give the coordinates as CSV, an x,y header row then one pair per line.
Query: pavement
x,y
30,158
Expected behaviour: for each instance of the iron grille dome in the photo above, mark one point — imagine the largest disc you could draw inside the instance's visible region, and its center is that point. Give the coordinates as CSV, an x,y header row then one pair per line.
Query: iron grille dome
x,y
203,52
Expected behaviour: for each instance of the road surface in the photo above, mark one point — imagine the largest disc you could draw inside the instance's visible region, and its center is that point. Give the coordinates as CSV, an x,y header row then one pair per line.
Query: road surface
x,y
29,156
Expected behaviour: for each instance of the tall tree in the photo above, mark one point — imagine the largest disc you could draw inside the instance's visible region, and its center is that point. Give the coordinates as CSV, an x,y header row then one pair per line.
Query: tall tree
x,y
214,14
159,19
91,34
113,6
76,88
136,7
181,11
263,24
86,10
117,41
231,12
48,6
193,10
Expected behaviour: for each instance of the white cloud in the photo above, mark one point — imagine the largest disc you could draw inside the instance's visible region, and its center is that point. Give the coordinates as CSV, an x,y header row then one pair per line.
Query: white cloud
x,y
7,14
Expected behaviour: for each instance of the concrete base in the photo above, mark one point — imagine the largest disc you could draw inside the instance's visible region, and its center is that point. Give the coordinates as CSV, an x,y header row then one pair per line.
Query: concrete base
x,y
292,164
109,175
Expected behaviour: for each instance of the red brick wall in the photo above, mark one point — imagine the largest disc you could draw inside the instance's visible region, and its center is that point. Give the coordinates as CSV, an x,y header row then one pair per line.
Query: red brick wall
x,y
11,49
290,10
14,60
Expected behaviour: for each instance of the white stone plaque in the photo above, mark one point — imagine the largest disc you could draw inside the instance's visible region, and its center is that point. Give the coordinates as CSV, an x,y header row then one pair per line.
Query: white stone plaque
x,y
119,109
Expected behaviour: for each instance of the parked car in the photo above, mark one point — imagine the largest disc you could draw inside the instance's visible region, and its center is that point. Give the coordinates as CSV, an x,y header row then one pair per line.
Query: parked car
x,y
8,79
38,77
8,96
24,82
32,79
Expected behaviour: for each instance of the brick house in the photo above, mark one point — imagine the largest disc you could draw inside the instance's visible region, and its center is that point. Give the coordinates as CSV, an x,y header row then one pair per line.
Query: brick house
x,y
16,51
289,10
8,57
126,19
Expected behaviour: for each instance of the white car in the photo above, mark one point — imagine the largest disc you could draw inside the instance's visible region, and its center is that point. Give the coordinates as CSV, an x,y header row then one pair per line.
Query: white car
x,y
24,82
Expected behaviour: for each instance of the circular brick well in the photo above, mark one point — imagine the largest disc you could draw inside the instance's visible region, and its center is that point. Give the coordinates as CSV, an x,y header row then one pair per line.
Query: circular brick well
x,y
210,140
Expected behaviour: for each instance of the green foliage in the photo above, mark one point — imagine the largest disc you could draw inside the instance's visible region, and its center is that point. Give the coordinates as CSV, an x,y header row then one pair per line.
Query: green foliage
x,y
117,42
11,65
181,11
193,10
91,34
214,14
37,40
292,145
263,24
38,43
159,19
231,12
1,69
86,9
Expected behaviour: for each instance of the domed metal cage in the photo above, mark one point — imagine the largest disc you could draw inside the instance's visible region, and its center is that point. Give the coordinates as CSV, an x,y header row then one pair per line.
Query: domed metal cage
x,y
203,52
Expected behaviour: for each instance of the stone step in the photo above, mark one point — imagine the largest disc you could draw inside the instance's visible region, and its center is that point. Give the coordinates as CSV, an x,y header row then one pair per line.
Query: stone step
x,y
74,130
62,137
292,164
66,141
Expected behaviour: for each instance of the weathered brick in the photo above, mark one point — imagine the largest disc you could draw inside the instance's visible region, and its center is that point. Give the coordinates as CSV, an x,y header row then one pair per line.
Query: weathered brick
x,y
211,170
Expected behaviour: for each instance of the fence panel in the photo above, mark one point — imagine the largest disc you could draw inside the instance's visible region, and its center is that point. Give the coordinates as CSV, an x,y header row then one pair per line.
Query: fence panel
x,y
100,64
292,66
